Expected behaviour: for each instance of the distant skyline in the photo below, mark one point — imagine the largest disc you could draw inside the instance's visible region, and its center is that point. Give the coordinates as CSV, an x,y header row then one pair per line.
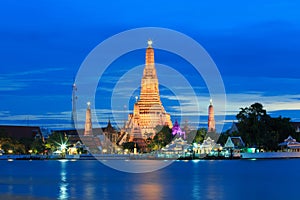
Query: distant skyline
x,y
255,45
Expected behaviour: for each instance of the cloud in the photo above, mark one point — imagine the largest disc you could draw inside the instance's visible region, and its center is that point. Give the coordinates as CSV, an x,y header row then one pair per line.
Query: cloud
x,y
234,102
11,85
32,117
38,71
271,103
4,113
19,80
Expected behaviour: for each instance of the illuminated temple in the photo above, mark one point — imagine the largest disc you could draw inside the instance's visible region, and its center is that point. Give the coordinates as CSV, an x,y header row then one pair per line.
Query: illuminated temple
x,y
148,111
211,118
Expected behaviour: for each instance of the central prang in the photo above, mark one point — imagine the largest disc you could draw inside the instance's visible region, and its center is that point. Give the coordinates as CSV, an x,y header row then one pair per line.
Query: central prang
x,y
148,111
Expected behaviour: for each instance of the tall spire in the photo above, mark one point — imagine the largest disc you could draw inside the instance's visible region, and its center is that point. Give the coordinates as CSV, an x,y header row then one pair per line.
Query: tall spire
x,y
88,120
149,71
211,118
150,43
149,86
148,111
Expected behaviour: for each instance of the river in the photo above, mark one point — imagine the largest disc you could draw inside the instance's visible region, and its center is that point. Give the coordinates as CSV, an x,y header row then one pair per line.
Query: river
x,y
90,179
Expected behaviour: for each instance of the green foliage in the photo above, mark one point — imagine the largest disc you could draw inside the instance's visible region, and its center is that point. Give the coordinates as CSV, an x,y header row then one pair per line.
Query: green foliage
x,y
37,146
21,146
196,136
259,129
162,137
26,142
55,140
130,146
8,143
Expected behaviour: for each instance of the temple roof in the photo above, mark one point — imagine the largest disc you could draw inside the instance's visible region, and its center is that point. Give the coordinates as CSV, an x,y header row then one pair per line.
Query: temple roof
x,y
234,142
290,142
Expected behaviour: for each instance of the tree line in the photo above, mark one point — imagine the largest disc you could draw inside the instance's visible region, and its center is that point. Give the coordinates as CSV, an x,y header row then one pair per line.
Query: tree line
x,y
258,129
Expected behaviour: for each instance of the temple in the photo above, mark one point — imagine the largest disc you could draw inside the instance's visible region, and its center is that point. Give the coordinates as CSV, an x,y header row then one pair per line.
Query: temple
x,y
148,111
211,118
92,142
88,121
176,130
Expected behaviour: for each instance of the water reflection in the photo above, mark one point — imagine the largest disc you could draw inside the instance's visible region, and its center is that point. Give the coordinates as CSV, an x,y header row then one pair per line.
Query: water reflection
x,y
196,185
206,182
89,188
150,187
137,166
214,190
63,186
150,191
191,180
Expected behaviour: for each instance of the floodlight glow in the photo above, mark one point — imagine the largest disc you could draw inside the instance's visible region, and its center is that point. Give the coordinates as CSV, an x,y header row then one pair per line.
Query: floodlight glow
x,y
63,146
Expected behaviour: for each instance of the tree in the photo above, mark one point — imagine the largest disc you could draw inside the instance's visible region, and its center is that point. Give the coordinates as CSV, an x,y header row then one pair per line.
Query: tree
x,y
130,146
259,129
197,136
6,144
37,146
163,135
55,141
251,123
26,142
19,148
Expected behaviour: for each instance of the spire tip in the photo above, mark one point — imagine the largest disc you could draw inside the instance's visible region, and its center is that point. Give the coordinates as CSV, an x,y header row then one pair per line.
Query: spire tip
x,y
150,43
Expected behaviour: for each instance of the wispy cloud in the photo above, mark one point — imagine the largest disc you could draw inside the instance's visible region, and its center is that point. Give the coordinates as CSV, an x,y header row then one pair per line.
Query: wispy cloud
x,y
20,80
39,71
271,103
32,117
4,113
11,84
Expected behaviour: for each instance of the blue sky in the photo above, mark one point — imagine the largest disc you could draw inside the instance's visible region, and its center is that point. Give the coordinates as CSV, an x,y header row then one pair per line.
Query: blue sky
x,y
255,45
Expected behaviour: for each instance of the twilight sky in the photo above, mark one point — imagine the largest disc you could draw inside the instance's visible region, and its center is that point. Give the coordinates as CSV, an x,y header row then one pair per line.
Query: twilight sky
x,y
255,45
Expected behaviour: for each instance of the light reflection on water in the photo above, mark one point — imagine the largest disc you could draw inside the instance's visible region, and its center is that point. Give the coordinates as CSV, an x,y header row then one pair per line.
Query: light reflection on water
x,y
89,187
181,180
196,183
63,186
149,191
205,186
150,188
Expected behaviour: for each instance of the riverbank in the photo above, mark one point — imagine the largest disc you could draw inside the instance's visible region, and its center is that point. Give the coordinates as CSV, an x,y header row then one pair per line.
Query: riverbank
x,y
262,155
270,155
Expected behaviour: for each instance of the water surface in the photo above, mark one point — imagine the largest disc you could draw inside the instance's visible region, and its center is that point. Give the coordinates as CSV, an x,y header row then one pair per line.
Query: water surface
x,y
227,179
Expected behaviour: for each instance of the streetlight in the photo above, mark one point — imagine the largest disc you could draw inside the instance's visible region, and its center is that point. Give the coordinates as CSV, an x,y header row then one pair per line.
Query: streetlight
x,y
118,150
63,147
